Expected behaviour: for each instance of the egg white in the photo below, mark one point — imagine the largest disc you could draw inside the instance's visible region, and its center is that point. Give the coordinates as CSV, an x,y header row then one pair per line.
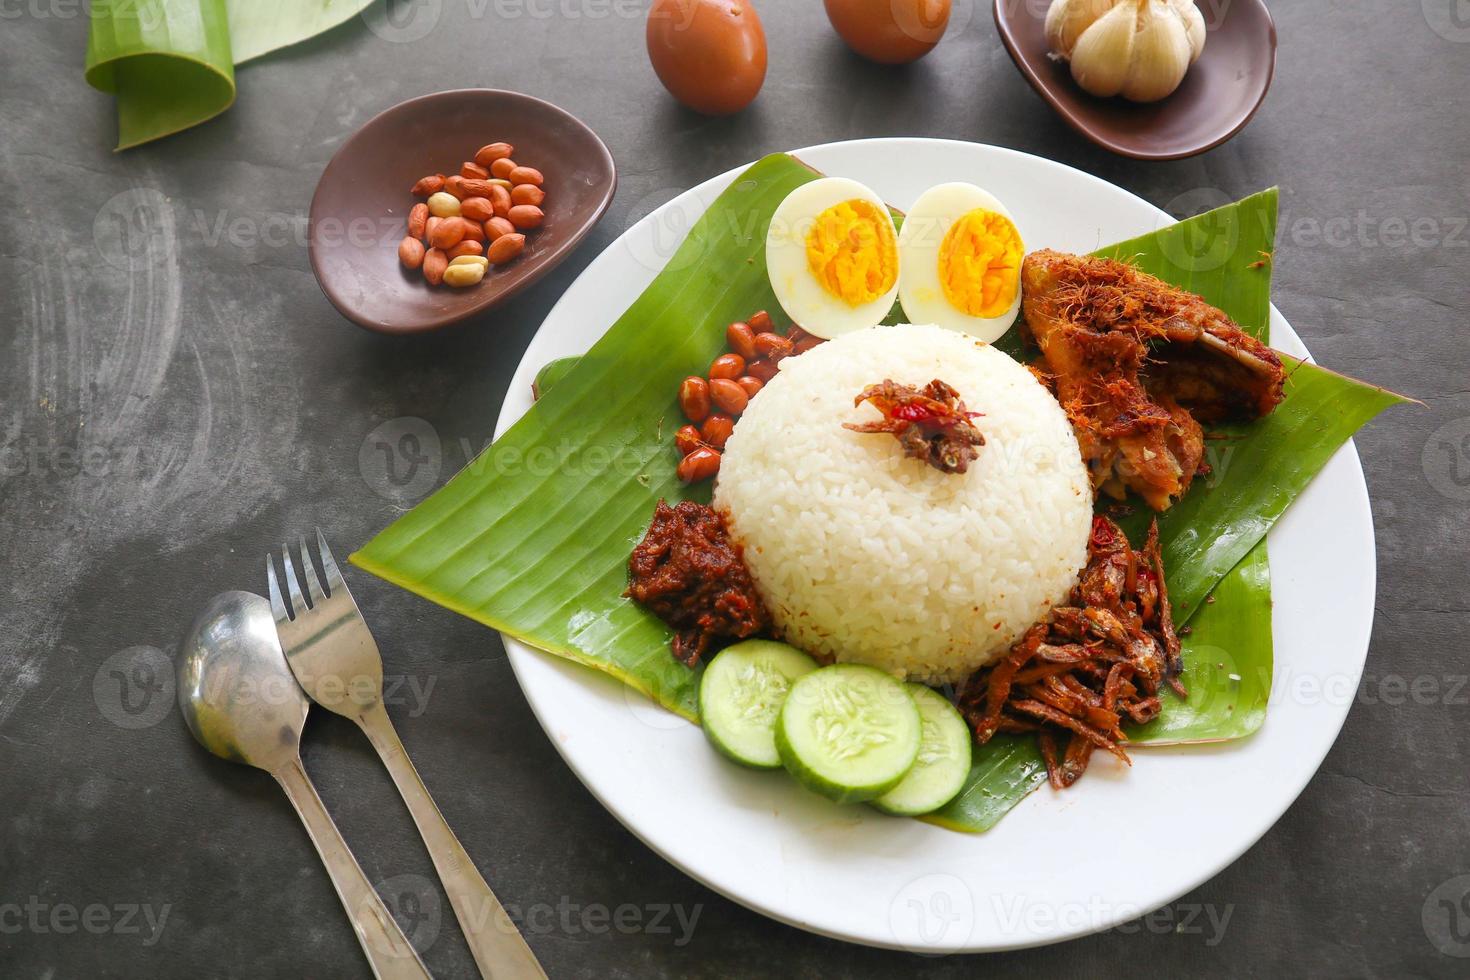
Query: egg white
x,y
919,240
800,294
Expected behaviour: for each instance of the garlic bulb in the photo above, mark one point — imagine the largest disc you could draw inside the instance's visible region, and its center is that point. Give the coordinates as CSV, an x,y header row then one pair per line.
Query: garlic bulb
x,y
1139,49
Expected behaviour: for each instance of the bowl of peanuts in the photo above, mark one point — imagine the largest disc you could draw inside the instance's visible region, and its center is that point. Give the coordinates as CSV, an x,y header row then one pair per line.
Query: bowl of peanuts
x,y
443,207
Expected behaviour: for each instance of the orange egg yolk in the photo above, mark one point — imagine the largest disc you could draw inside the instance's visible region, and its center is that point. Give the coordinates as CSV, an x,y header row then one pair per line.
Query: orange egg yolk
x,y
980,263
852,252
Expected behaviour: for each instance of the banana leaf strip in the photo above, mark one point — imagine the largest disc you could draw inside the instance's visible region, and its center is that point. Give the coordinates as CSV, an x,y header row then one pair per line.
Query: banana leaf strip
x,y
171,63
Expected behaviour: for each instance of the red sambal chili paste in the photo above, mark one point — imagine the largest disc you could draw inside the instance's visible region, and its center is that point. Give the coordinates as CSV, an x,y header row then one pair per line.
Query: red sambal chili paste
x,y
688,572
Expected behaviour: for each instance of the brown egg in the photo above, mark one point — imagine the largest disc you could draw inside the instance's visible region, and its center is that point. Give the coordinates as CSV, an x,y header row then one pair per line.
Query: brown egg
x,y
891,32
710,54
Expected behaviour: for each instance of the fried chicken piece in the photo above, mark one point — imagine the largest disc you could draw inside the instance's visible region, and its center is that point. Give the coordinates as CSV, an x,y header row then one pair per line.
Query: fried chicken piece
x,y
1137,363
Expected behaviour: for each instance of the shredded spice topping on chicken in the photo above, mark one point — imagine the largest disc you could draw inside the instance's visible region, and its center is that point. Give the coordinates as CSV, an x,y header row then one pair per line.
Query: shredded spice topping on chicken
x,y
930,423
1076,678
690,574
1138,364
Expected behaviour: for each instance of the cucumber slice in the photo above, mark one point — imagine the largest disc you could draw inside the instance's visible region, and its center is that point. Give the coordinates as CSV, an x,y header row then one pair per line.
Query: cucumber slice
x,y
741,694
848,732
943,765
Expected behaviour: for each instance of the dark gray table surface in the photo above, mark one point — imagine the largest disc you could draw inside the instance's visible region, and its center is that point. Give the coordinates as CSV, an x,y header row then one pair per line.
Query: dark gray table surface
x,y
166,418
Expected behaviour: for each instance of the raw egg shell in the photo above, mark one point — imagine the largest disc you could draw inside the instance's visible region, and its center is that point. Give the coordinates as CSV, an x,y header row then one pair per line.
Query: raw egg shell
x,y
890,32
710,54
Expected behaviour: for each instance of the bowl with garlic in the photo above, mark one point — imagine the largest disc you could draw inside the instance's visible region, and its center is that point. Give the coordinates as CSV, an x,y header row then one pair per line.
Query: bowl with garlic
x,y
1148,79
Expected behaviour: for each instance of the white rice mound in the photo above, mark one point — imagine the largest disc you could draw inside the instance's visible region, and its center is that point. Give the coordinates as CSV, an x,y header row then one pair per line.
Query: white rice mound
x,y
865,556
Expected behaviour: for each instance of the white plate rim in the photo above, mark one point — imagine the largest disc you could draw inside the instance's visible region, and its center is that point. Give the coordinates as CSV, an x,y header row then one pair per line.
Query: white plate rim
x,y
1342,477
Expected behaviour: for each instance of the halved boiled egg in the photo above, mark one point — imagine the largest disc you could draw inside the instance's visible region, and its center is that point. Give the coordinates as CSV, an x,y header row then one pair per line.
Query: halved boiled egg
x,y
961,256
832,257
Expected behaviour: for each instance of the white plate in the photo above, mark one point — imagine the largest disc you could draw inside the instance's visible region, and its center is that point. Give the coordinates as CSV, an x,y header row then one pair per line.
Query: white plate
x,y
1120,843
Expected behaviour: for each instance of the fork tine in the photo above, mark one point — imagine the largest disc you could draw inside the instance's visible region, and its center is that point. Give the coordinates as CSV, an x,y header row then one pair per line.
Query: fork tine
x,y
298,601
329,565
278,604
308,569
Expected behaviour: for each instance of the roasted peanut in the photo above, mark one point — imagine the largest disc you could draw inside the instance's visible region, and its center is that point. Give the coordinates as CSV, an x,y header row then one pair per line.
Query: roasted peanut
x,y
702,464
694,399
497,228
418,220
435,262
741,339
524,175
477,208
772,346
687,439
750,385
461,276
729,366
801,341
761,322
411,252
444,205
526,216
716,430
763,371
728,396
527,194
428,185
491,152
505,248
473,220
448,233
500,199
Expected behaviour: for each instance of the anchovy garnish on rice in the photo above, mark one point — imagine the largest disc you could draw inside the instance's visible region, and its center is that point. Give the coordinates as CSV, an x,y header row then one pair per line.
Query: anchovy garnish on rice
x,y
930,423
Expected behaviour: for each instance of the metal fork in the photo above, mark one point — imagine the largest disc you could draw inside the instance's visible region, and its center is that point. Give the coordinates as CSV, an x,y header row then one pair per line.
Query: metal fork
x,y
336,661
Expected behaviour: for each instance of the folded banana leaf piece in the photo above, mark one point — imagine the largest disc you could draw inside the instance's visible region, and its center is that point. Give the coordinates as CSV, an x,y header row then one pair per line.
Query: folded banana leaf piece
x,y
171,63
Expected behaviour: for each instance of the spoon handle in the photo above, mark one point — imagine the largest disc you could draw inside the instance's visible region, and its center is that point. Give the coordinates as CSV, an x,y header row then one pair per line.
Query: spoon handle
x,y
388,950
498,948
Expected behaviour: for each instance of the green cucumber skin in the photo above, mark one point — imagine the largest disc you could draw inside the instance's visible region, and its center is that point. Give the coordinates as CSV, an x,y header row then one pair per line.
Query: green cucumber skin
x,y
808,776
902,801
794,660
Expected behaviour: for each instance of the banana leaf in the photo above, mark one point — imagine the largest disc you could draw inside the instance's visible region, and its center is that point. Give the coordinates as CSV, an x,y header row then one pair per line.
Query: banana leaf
x,y
258,27
533,537
551,373
171,63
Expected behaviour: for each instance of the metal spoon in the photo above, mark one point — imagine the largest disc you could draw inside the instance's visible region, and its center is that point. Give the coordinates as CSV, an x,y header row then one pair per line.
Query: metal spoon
x,y
242,703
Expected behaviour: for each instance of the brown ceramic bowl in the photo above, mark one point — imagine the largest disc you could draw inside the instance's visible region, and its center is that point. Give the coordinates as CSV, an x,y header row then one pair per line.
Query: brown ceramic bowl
x,y
1218,97
360,210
